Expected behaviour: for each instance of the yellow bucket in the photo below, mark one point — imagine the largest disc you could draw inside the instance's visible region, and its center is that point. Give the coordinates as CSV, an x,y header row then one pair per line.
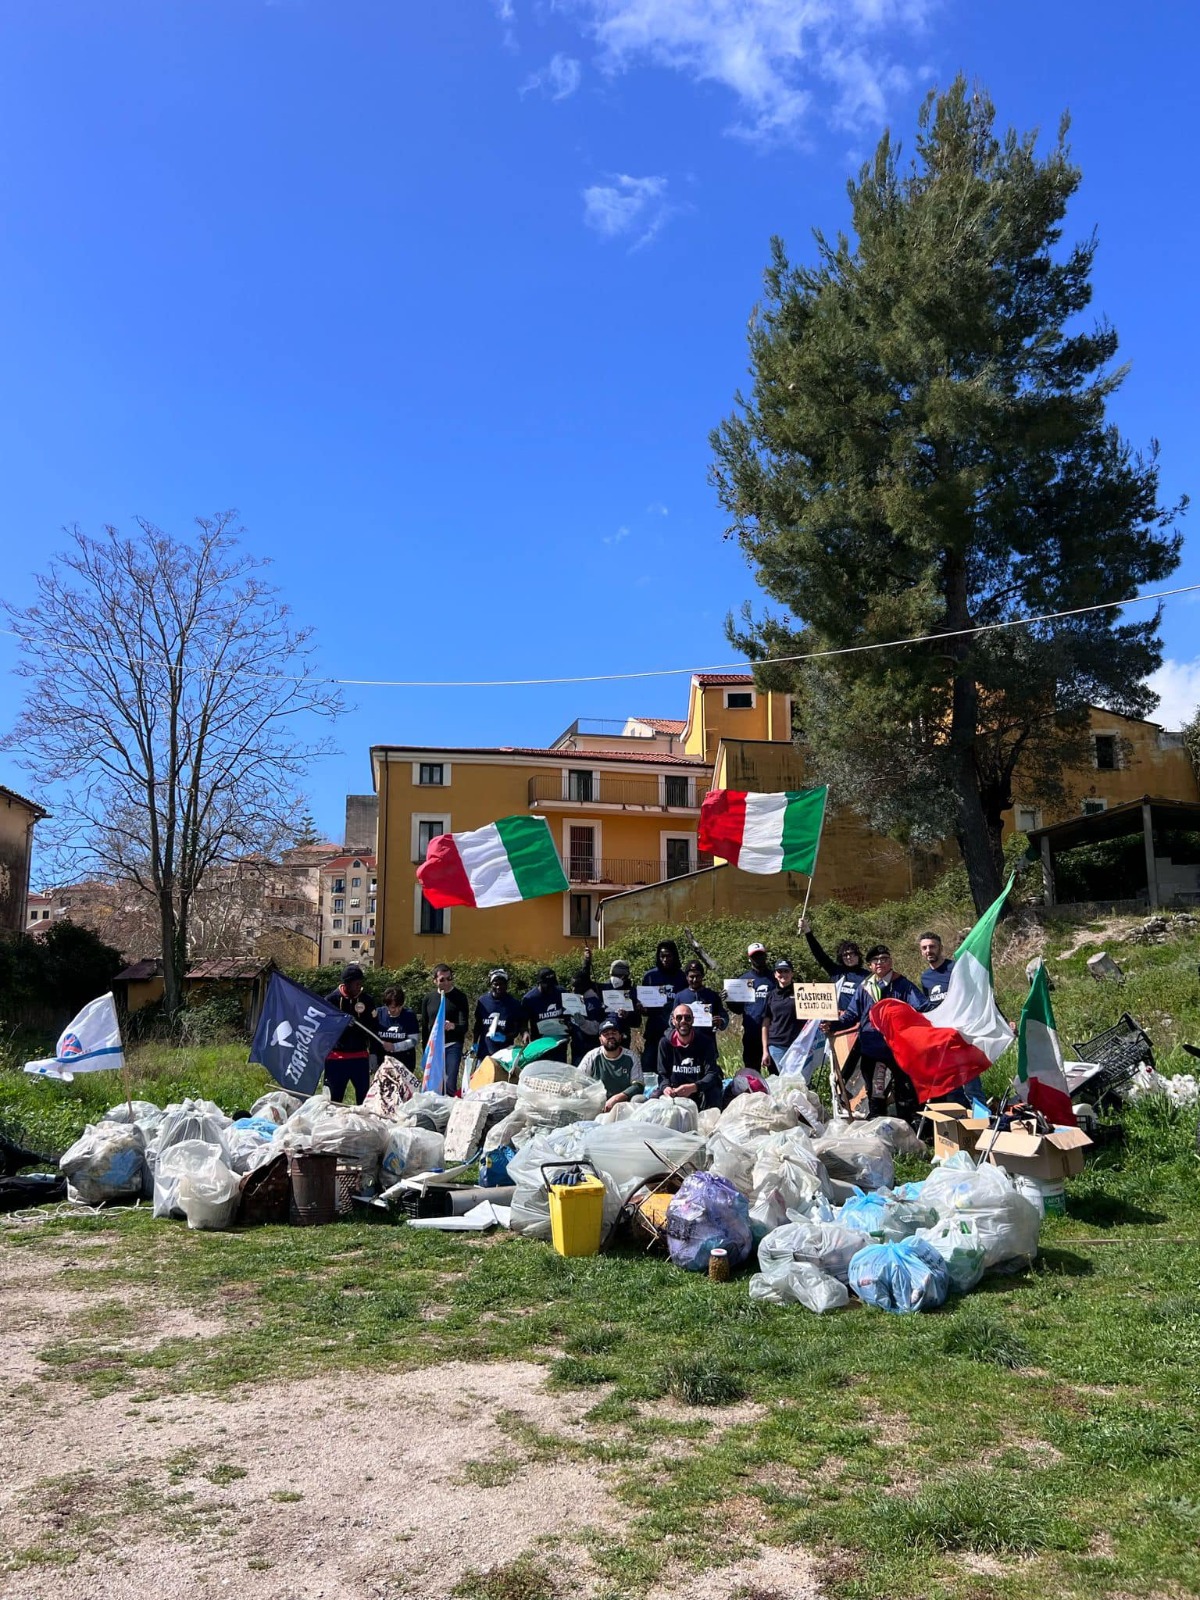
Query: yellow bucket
x,y
576,1215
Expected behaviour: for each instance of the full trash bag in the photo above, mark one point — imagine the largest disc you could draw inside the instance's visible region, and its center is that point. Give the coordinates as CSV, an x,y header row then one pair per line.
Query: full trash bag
x,y
831,1246
631,1153
437,1107
552,1094
707,1214
106,1163
1007,1221
733,1150
409,1151
678,1113
786,1174
174,1164
863,1159
278,1105
190,1119
790,1090
885,1216
209,1193
957,1241
908,1275
248,1142
803,1284
759,1114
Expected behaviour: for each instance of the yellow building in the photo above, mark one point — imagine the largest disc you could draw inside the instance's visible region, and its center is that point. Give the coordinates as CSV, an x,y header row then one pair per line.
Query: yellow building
x,y
624,809
18,818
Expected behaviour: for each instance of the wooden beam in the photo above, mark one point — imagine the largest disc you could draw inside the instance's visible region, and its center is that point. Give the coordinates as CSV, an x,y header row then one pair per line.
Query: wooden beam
x,y
1151,869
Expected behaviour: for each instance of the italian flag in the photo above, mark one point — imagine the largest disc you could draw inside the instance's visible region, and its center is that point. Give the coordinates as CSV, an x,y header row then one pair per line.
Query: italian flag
x,y
970,1003
1040,1057
763,832
513,859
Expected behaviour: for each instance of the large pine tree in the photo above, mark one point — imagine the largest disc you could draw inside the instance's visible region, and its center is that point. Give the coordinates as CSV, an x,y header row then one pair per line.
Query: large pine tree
x,y
924,449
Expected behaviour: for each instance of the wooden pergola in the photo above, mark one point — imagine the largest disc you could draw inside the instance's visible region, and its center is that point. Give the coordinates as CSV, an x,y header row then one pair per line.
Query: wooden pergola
x,y
1095,827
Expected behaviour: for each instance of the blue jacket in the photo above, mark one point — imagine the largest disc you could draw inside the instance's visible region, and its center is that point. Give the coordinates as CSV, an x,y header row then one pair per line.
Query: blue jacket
x,y
498,1023
935,981
846,980
897,987
547,1018
402,1026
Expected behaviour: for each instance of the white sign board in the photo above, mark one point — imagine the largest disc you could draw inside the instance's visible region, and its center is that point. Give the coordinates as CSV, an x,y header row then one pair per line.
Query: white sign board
x,y
739,990
617,1000
702,1014
652,997
817,1000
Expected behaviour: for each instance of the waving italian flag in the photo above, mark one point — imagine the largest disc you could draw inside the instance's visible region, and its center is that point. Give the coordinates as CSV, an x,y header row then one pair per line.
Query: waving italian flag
x,y
970,1003
513,859
1040,1057
763,832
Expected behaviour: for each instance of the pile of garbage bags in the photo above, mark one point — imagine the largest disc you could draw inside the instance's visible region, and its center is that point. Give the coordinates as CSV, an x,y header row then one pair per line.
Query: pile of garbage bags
x,y
1182,1090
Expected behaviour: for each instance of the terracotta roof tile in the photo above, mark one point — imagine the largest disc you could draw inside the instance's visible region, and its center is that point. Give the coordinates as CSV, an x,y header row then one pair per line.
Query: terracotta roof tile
x,y
710,678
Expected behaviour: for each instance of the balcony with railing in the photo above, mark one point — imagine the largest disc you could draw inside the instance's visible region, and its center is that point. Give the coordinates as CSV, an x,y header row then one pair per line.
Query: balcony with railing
x,y
625,872
651,793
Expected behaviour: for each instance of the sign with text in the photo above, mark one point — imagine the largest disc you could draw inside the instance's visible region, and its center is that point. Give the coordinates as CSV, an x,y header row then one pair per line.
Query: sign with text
x,y
617,1001
739,990
651,996
702,1014
574,1004
817,1000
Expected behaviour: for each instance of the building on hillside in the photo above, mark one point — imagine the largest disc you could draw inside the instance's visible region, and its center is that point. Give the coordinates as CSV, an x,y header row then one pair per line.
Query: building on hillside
x,y
347,910
18,818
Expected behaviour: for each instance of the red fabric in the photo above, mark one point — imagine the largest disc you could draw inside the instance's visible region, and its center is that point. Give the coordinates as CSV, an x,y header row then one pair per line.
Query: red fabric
x,y
722,824
1054,1105
442,875
938,1060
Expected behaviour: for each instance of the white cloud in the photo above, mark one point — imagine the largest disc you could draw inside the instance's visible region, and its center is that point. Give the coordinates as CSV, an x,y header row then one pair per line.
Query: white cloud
x,y
615,538
627,205
781,59
558,79
1177,684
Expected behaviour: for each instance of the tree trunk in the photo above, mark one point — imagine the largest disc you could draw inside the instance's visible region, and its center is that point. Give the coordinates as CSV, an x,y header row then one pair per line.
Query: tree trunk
x,y
971,830
174,955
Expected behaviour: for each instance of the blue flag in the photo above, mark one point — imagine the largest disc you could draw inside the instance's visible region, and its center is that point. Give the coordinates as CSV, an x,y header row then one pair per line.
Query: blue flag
x,y
434,1076
295,1033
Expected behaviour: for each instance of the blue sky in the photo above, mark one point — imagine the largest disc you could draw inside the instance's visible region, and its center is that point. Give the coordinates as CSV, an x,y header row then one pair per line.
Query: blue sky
x,y
446,298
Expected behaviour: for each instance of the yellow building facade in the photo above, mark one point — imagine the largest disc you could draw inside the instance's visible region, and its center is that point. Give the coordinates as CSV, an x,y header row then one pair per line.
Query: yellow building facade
x,y
624,810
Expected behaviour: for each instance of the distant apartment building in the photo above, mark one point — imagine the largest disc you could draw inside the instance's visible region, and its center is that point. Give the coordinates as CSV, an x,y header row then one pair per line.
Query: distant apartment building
x,y
348,893
39,908
18,817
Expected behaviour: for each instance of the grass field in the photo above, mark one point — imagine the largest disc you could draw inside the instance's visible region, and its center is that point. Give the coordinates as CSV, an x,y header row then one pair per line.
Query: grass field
x,y
1038,1437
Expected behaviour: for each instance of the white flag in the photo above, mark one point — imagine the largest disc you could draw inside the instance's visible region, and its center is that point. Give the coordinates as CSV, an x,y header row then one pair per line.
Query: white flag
x,y
805,1054
90,1043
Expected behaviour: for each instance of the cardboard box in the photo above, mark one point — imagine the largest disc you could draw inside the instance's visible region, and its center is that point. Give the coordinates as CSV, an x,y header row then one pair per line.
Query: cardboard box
x,y
1024,1153
954,1128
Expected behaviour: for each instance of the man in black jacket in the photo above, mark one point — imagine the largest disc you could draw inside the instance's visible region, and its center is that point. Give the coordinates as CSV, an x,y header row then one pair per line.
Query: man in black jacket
x,y
350,1059
687,1061
458,1021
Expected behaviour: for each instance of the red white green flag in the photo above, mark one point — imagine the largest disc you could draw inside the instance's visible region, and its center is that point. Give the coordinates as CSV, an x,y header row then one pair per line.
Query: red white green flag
x,y
1040,1058
512,859
763,832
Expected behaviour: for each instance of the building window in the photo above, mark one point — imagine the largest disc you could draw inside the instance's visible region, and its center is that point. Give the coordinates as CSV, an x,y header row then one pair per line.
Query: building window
x,y
580,786
679,857
339,905
356,883
355,924
581,916
372,885
431,775
354,944
339,886
1029,818
739,699
675,790
337,944
433,919
371,905
1092,805
337,924
581,854
426,833
1106,752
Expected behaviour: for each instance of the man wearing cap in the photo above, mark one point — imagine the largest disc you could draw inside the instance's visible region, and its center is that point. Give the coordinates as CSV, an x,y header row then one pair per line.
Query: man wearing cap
x,y
620,982
758,976
499,1017
780,1024
884,983
615,1065
350,1059
545,1014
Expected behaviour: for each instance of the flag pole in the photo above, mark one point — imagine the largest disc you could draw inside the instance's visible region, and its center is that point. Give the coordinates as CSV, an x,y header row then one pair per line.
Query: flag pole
x,y
816,853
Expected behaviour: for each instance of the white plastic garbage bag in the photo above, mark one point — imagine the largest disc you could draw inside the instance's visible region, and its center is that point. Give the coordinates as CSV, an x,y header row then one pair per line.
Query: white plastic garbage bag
x,y
828,1245
247,1148
208,1192
106,1163
437,1107
278,1105
786,1174
790,1090
803,1284
679,1113
554,1095
631,1153
1007,1222
759,1114
174,1164
409,1151
191,1119
856,1157
957,1241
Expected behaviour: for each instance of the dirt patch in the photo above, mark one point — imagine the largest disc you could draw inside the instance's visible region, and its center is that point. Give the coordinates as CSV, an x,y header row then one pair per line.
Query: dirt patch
x,y
775,1574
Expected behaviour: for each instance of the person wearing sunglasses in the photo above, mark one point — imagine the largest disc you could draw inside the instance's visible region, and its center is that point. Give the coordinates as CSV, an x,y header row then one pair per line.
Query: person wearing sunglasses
x,y
688,1067
845,967
882,983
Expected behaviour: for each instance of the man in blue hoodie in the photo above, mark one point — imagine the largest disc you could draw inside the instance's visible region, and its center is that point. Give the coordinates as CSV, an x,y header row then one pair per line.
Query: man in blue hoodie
x,y
935,979
545,1014
666,973
884,983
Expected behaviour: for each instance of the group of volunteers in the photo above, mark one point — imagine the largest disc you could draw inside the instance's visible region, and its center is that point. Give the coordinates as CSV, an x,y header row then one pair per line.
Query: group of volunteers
x,y
676,1053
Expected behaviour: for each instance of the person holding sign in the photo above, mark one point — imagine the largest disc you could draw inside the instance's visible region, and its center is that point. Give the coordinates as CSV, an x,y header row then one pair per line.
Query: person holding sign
x,y
759,982
619,1001
615,1065
847,968
546,1015
665,974
780,1024
698,993
687,1061
585,1012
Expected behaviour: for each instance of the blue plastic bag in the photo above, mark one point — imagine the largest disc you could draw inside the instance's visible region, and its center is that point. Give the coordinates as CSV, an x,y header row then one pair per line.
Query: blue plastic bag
x,y
864,1212
493,1167
906,1276
708,1214
262,1125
